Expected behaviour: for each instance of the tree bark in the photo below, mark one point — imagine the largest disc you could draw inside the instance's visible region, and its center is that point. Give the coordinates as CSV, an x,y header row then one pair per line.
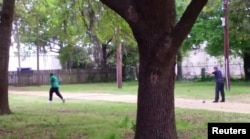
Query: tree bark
x,y
155,113
5,41
246,60
159,37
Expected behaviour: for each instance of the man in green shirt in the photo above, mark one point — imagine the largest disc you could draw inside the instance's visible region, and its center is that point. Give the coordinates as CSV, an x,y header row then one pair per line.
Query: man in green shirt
x,y
54,88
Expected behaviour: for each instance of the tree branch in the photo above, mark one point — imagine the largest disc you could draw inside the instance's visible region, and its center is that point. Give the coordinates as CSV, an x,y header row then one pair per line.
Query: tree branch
x,y
125,8
110,53
186,22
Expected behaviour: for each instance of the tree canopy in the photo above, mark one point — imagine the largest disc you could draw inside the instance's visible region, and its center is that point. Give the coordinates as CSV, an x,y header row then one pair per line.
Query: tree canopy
x,y
86,25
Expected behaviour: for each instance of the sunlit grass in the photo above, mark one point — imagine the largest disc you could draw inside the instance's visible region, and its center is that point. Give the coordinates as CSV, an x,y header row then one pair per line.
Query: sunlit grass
x,y
33,117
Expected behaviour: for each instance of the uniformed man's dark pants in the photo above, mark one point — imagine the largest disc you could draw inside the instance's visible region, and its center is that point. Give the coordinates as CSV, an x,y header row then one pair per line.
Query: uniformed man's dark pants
x,y
219,88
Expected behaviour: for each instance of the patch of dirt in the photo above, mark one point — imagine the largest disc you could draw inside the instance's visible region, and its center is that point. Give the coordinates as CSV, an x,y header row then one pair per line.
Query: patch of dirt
x,y
241,98
231,105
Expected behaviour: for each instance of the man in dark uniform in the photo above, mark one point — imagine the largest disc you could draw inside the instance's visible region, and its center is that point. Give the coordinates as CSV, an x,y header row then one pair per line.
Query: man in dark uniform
x,y
219,85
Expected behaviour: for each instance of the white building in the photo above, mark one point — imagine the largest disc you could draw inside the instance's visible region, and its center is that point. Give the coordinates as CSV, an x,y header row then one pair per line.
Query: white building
x,y
198,59
48,61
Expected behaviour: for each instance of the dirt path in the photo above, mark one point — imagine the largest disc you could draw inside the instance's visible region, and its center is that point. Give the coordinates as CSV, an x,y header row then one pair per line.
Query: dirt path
x,y
179,102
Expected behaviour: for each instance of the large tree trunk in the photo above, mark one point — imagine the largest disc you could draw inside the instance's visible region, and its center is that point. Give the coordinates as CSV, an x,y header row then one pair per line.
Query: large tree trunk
x,y
159,37
246,60
155,113
5,41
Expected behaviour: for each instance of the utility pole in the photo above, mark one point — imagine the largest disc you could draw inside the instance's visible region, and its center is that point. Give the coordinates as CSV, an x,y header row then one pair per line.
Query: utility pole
x,y
118,58
37,52
37,62
119,65
18,52
226,42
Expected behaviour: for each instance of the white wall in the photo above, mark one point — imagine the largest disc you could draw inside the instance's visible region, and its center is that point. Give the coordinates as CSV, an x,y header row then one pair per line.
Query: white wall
x,y
47,61
195,60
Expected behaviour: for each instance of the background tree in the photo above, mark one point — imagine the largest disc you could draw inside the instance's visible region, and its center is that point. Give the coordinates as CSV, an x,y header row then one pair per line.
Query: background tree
x,y
6,18
209,28
53,30
62,31
159,37
240,32
202,28
180,6
101,23
130,61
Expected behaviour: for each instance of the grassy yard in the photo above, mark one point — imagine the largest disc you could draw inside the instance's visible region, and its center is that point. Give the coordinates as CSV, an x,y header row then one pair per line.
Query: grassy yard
x,y
204,90
33,118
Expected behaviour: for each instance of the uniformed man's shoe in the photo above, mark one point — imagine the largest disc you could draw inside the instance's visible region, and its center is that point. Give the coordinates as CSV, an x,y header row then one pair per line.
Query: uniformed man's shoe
x,y
222,101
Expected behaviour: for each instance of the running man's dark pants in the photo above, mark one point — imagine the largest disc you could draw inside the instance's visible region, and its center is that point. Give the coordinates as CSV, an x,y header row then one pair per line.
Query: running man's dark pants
x,y
219,88
56,90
